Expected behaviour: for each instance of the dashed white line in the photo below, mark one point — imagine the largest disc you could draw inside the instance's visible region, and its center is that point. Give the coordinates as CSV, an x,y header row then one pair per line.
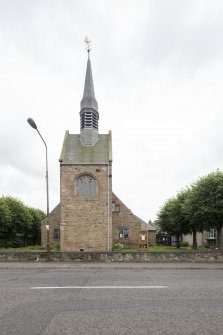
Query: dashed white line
x,y
96,287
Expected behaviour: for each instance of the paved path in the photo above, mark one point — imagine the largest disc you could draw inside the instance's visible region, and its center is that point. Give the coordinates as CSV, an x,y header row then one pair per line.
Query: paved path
x,y
100,265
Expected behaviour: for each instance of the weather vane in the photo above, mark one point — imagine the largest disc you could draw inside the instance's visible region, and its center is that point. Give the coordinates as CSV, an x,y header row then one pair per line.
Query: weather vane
x,y
88,44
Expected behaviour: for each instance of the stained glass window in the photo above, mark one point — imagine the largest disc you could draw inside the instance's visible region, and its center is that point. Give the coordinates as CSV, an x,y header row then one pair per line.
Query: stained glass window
x,y
86,185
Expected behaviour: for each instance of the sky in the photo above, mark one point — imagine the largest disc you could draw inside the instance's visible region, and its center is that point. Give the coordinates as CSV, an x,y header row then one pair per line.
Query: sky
x,y
158,78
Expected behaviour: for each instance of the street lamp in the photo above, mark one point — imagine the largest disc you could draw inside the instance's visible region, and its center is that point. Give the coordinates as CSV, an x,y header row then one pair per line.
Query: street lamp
x,y
34,126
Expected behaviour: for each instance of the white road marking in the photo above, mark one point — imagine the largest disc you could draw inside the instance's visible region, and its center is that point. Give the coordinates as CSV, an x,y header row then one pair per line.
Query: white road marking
x,y
95,287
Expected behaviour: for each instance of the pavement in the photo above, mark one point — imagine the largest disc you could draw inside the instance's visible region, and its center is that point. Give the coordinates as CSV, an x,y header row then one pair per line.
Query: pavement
x,y
110,265
78,298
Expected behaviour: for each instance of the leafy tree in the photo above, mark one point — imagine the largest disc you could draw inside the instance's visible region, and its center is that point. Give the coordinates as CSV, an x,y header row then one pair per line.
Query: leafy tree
x,y
196,209
205,204
190,206
19,219
36,218
172,218
5,215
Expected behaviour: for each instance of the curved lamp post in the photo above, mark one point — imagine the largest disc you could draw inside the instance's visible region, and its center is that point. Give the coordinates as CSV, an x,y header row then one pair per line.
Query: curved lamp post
x,y
34,126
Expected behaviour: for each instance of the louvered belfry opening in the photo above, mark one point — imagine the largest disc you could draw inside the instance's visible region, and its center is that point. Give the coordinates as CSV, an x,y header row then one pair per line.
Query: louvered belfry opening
x,y
89,119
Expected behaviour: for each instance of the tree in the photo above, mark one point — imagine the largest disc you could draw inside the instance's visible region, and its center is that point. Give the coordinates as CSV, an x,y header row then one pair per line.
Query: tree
x,y
5,216
205,204
190,206
19,219
36,218
172,217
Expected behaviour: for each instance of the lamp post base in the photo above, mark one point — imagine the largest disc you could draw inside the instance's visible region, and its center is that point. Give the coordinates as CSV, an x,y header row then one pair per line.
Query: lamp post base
x,y
48,252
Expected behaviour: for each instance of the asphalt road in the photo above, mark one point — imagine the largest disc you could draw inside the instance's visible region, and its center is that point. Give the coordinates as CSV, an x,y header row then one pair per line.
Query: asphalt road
x,y
111,301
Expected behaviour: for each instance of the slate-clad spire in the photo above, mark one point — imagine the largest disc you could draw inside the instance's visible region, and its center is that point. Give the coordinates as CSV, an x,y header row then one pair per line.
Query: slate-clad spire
x,y
89,107
89,100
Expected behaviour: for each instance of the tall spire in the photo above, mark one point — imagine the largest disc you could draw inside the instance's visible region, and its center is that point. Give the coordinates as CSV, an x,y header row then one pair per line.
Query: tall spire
x,y
89,107
88,100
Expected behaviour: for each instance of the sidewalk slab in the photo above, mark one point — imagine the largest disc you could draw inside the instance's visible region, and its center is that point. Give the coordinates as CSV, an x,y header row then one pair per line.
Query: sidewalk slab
x,y
112,265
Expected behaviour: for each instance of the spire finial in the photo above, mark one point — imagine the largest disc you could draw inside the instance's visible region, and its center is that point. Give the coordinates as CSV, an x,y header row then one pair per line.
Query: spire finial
x,y
88,45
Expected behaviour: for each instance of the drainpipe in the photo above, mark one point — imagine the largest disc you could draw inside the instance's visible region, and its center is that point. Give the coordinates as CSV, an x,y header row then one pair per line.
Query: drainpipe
x,y
108,206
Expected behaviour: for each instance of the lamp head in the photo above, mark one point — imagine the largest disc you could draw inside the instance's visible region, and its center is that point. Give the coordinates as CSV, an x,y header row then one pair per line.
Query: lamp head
x,y
32,123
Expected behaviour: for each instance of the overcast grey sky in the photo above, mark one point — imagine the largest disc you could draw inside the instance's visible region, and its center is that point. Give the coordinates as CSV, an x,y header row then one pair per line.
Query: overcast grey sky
x,y
158,77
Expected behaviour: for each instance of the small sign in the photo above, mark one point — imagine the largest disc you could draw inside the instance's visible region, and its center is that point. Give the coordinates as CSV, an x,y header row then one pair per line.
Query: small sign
x,y
47,227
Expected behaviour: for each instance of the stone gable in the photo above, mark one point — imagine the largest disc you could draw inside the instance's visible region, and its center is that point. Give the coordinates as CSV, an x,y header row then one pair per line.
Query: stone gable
x,y
54,223
123,218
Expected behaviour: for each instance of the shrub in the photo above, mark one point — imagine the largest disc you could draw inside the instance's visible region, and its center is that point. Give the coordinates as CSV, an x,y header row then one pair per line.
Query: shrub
x,y
4,244
16,243
184,244
117,246
56,248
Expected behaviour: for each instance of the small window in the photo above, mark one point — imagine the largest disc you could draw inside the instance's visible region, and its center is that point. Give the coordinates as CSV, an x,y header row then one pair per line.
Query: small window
x,y
212,234
123,234
115,208
56,234
86,185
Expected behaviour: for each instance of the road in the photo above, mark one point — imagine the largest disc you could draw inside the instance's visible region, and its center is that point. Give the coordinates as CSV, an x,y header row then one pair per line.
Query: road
x,y
48,301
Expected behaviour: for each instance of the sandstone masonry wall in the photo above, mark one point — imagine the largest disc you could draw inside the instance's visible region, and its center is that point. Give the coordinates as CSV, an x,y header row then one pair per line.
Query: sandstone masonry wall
x,y
108,257
54,222
86,221
124,218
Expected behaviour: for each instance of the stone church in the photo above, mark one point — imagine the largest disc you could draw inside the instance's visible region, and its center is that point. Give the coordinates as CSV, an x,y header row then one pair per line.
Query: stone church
x,y
90,217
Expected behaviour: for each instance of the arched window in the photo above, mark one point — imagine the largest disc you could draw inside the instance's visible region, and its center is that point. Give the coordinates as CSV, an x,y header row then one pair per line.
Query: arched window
x,y
86,185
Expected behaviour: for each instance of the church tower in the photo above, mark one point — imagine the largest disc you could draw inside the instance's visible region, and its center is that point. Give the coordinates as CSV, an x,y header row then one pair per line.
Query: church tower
x,y
86,180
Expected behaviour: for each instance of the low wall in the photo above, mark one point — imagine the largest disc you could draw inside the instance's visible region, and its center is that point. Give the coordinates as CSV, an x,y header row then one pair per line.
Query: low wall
x,y
134,257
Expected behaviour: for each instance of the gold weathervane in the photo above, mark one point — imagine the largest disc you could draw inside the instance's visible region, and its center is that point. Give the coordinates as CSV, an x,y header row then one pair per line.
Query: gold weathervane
x,y
88,44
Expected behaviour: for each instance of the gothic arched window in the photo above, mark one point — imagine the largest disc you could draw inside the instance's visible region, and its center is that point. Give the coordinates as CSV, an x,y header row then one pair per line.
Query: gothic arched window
x,y
86,185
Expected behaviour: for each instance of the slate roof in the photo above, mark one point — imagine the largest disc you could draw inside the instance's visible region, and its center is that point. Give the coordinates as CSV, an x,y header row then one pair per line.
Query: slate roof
x,y
74,152
146,226
89,100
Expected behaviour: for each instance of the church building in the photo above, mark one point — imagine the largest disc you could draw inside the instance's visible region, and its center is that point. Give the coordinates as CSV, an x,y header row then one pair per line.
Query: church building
x,y
90,217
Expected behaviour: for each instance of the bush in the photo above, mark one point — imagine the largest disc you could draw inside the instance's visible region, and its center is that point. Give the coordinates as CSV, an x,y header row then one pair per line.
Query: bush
x,y
184,244
16,244
117,246
4,244
56,248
